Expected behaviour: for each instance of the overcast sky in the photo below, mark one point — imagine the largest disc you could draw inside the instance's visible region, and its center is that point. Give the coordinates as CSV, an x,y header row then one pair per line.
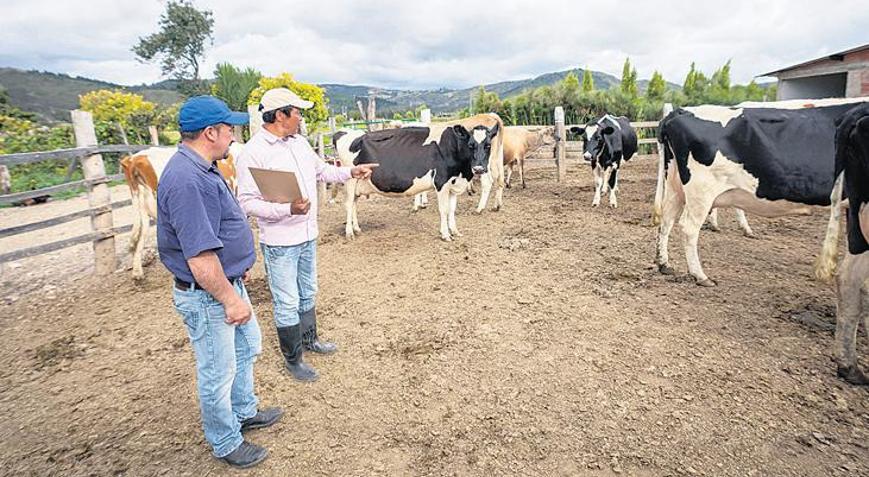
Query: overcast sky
x,y
430,44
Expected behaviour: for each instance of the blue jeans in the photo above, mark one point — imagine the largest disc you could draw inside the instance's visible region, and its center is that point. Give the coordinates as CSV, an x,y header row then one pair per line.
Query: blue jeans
x,y
224,365
292,274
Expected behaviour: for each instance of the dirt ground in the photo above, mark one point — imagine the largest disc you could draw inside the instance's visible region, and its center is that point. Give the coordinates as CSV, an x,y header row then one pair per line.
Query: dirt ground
x,y
542,342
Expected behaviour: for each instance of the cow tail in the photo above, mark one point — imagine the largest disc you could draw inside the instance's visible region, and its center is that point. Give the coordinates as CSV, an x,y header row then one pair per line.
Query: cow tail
x,y
657,208
132,183
825,265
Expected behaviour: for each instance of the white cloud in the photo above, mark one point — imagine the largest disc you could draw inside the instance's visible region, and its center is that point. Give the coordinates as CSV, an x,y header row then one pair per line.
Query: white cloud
x,y
436,43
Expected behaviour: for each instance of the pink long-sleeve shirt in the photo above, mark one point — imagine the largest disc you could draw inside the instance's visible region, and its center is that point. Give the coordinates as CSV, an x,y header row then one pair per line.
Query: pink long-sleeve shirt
x,y
277,227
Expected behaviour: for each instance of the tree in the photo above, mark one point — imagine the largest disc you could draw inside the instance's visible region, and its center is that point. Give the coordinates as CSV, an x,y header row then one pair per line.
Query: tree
x,y
314,116
486,102
657,87
629,80
721,77
234,85
587,82
180,43
114,109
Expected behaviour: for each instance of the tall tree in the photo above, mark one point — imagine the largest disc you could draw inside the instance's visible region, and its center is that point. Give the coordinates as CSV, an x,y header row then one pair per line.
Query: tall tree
x,y
629,80
234,85
180,43
657,87
721,77
587,82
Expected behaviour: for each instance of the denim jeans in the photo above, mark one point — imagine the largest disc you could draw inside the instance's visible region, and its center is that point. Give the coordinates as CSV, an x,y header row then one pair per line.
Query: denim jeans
x,y
224,365
292,274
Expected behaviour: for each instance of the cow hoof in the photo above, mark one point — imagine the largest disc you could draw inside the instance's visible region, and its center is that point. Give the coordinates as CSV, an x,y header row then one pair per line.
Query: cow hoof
x,y
713,228
750,235
507,185
478,211
496,209
706,283
594,205
666,270
446,238
139,279
614,206
456,233
853,375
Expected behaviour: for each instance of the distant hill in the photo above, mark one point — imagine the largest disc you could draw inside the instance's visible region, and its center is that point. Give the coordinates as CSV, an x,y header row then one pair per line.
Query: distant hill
x,y
53,95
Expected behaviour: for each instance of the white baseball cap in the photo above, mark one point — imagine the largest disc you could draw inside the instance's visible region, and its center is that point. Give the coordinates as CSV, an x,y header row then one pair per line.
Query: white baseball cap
x,y
277,98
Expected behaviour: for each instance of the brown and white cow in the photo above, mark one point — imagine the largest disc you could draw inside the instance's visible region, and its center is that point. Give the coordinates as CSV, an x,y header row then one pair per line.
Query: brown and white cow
x,y
142,172
850,194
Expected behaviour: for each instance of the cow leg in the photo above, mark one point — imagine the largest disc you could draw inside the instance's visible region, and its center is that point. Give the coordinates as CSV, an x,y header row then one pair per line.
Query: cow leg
x,y
454,201
674,203
743,223
509,176
853,301
712,221
137,224
144,228
349,207
420,201
598,184
614,185
522,170
499,197
695,214
444,209
485,189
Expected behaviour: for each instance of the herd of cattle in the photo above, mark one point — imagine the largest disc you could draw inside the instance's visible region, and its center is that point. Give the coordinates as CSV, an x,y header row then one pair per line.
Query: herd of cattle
x,y
769,159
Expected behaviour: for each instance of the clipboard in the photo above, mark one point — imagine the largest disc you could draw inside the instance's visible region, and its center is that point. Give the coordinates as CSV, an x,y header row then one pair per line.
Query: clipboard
x,y
280,187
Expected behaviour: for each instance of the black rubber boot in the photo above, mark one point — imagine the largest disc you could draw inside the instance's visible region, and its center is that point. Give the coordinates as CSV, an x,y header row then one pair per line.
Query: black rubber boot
x,y
290,338
308,320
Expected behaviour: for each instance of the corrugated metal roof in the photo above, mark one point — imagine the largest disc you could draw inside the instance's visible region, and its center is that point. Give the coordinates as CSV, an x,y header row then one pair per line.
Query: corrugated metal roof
x,y
833,56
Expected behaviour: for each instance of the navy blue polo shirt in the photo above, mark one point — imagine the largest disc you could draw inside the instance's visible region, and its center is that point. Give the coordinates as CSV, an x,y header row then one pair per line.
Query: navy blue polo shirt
x,y
196,212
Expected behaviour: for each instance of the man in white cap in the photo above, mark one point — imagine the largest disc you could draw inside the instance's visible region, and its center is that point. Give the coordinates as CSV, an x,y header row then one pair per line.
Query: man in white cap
x,y
288,232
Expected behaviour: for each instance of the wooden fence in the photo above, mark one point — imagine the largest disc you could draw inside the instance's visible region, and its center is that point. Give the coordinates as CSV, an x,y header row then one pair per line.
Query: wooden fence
x,y
89,154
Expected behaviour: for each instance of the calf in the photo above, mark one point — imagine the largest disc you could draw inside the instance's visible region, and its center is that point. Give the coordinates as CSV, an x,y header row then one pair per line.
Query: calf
x,y
851,193
142,172
443,157
607,143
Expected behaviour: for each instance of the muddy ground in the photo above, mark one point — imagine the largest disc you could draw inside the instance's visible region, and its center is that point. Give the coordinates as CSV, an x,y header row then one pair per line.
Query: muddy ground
x,y
542,342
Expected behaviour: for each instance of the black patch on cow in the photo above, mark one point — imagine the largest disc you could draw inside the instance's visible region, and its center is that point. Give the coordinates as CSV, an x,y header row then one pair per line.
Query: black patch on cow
x,y
612,142
403,157
790,152
852,157
335,137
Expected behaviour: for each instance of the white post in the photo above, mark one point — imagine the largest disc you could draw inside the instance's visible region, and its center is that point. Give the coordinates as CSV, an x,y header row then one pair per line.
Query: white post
x,y
332,126
560,145
155,137
425,116
256,118
98,193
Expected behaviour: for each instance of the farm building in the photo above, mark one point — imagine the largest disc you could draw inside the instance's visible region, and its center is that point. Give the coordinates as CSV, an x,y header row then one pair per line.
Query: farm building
x,y
842,74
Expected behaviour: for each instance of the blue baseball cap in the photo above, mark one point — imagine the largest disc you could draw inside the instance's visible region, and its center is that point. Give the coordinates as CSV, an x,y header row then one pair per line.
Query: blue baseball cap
x,y
199,112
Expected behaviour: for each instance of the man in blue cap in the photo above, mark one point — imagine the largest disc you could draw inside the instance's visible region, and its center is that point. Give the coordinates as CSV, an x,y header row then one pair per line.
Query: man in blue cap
x,y
204,239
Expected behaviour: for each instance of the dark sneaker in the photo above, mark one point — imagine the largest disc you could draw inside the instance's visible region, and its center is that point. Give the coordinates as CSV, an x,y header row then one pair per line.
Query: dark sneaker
x,y
246,455
263,418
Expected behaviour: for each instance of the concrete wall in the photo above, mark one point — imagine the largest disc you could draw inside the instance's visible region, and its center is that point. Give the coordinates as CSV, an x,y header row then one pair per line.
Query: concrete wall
x,y
814,87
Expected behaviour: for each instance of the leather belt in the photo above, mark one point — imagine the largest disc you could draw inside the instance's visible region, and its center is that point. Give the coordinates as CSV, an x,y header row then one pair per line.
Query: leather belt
x,y
185,286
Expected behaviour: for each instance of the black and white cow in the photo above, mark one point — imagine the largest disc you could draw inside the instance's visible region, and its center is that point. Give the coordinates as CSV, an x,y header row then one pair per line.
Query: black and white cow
x,y
767,161
851,194
607,143
442,157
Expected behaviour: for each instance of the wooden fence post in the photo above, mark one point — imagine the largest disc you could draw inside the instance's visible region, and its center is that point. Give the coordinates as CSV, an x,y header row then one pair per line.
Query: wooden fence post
x,y
560,144
5,180
425,116
98,193
332,126
321,186
256,118
155,136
